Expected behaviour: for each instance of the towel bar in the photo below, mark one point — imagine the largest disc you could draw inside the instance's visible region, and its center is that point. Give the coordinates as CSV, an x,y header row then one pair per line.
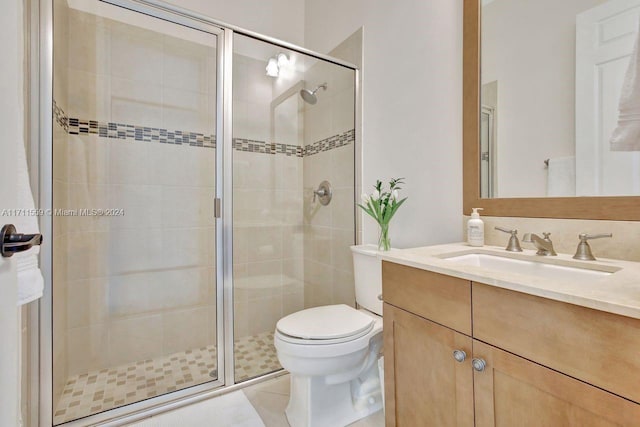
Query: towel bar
x,y
12,242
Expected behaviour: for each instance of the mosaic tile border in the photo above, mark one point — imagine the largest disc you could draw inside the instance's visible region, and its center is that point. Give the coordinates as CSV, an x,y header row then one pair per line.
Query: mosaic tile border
x,y
76,126
335,141
60,117
254,146
139,133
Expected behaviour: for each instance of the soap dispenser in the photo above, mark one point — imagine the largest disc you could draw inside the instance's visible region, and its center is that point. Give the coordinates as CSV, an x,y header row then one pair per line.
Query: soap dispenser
x,y
475,229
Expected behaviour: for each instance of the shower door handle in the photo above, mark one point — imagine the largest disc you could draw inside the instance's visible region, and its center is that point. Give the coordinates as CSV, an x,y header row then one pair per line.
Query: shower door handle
x,y
12,242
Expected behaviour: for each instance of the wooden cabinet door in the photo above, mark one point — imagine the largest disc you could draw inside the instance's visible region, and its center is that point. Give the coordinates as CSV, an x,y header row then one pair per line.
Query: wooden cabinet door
x,y
424,384
512,391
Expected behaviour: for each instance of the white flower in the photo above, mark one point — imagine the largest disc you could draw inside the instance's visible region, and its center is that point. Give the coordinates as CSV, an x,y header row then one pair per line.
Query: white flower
x,y
375,195
394,194
365,198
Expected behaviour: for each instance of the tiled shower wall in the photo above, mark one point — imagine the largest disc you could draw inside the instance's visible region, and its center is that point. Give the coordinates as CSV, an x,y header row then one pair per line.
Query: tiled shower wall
x,y
128,287
282,261
329,230
267,206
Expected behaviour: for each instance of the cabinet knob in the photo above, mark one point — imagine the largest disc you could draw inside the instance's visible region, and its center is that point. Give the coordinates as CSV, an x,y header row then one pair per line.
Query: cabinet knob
x,y
478,364
459,355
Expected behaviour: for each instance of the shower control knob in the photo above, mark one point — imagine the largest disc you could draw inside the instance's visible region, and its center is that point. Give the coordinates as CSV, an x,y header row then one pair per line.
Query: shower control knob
x,y
479,364
323,193
459,355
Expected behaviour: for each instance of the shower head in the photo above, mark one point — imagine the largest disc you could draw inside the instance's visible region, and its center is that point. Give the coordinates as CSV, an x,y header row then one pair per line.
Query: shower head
x,y
309,96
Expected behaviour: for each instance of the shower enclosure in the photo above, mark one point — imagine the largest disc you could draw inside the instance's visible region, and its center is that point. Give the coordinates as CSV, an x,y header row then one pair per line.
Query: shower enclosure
x,y
184,161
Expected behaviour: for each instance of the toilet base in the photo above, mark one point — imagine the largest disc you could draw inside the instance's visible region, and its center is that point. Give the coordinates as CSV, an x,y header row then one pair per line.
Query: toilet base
x,y
314,403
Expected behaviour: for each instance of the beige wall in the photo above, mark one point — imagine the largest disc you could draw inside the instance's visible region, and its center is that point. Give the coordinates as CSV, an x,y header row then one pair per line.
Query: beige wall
x,y
529,49
329,230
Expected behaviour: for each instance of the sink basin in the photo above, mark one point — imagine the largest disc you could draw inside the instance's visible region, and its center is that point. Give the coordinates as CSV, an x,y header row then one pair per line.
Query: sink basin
x,y
528,267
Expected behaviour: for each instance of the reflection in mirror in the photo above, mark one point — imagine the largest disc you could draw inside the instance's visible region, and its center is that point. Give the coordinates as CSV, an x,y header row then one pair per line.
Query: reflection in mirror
x,y
555,120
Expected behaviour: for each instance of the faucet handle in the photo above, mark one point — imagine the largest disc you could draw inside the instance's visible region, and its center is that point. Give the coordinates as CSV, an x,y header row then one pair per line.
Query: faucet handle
x,y
584,236
583,251
514,243
546,236
506,230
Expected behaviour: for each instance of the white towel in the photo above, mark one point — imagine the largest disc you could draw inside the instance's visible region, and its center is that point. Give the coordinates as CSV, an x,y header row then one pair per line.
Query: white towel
x,y
626,136
30,281
561,177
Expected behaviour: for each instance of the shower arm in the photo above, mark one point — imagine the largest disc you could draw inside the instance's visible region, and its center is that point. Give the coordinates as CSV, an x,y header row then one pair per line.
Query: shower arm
x,y
323,86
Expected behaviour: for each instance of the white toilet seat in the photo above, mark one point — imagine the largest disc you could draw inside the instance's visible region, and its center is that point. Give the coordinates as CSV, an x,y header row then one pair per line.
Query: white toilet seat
x,y
315,341
309,348
325,325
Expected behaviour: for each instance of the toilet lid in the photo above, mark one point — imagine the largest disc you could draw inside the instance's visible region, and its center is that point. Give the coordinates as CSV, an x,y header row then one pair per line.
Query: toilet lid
x,y
325,323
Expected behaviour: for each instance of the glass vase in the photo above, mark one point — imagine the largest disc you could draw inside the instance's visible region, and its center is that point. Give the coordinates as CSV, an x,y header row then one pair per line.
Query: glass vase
x,y
384,242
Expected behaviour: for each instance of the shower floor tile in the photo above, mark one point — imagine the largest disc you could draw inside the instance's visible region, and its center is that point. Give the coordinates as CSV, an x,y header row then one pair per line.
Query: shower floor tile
x,y
105,389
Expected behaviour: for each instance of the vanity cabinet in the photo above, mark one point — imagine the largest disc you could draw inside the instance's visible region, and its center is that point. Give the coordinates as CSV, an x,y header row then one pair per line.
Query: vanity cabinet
x,y
424,384
513,391
528,361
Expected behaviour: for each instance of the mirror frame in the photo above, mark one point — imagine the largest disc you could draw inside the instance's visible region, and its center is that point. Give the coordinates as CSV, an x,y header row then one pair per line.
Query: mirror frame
x,y
599,208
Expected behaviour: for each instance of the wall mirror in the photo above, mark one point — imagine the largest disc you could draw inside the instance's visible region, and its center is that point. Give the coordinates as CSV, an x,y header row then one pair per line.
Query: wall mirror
x,y
550,128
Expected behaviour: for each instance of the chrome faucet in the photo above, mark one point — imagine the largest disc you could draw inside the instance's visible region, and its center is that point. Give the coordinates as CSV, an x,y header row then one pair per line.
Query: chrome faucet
x,y
543,244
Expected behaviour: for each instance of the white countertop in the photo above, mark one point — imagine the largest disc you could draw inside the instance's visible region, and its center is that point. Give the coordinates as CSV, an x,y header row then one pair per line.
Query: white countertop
x,y
617,293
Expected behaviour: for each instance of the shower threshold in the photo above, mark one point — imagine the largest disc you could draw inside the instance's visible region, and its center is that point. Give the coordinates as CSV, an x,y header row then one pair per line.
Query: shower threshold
x,y
100,390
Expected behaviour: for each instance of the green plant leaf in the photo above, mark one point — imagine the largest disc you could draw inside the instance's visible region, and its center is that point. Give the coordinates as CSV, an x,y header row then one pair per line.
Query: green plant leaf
x,y
384,207
394,209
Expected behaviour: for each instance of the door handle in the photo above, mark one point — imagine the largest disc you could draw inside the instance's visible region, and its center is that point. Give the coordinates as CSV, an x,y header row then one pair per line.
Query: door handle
x,y
12,242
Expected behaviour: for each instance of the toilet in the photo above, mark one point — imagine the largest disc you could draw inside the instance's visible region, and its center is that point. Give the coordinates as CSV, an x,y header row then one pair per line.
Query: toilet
x,y
332,352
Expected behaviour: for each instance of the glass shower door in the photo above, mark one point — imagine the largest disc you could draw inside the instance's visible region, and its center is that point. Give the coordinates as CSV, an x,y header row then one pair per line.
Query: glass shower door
x,y
135,307
293,128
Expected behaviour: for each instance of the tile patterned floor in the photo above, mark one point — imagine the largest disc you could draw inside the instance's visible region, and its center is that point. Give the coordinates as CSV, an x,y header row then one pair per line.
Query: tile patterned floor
x,y
255,355
98,391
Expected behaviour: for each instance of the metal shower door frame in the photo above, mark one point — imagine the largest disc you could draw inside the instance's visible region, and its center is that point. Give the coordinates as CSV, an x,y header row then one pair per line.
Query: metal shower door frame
x,y
41,147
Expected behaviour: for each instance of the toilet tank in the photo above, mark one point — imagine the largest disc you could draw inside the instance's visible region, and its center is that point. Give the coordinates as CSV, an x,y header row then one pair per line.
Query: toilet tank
x,y
367,270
